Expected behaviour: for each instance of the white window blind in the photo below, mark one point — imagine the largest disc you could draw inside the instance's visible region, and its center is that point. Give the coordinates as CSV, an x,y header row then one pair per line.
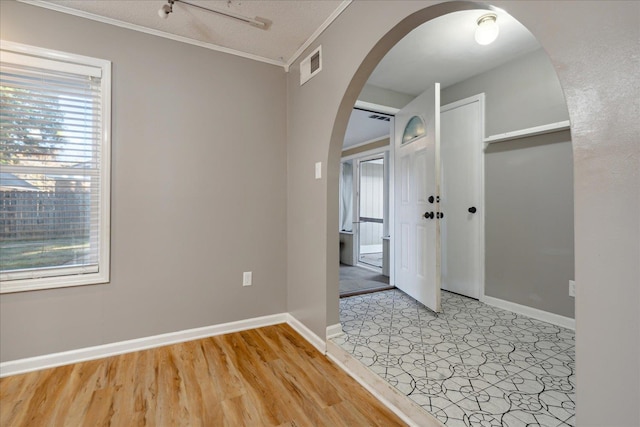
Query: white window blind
x,y
54,169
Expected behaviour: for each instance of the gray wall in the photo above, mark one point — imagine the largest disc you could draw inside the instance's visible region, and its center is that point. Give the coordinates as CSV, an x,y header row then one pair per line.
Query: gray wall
x,y
199,192
529,222
529,254
598,72
386,97
520,94
162,282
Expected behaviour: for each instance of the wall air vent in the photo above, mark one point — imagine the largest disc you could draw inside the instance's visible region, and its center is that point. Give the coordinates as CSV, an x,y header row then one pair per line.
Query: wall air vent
x,y
379,117
311,65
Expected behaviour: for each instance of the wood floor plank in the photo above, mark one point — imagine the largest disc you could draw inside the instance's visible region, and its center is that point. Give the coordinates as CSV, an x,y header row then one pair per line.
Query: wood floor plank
x,y
145,397
201,393
79,389
320,387
124,385
15,390
41,410
268,377
258,377
170,408
227,380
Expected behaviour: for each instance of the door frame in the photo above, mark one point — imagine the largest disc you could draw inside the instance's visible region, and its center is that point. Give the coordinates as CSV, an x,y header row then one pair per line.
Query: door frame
x,y
356,211
480,98
387,153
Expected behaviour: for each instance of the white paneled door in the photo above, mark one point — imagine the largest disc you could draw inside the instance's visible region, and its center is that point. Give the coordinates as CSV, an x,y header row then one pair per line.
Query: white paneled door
x,y
417,207
461,197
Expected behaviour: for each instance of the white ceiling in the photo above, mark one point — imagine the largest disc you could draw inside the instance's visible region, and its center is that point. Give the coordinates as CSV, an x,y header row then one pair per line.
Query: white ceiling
x,y
362,128
294,24
443,50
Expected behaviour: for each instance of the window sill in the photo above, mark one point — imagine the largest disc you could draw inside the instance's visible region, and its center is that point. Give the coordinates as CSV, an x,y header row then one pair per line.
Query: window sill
x,y
24,285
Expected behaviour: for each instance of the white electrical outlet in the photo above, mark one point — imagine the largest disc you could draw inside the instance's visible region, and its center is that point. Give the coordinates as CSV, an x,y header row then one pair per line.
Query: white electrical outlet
x,y
572,288
246,278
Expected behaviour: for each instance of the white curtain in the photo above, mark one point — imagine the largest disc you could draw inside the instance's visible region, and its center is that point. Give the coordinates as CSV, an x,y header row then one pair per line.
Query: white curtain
x,y
346,196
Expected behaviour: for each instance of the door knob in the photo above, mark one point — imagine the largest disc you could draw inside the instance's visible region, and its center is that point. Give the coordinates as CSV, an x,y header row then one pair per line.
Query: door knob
x,y
440,215
472,209
428,215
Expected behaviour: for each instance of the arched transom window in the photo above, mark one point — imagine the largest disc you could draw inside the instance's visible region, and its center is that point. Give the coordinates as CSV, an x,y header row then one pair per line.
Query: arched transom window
x,y
414,129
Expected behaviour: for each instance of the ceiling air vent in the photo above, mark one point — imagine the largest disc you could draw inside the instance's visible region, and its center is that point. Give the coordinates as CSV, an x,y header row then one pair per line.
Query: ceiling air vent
x,y
379,117
311,65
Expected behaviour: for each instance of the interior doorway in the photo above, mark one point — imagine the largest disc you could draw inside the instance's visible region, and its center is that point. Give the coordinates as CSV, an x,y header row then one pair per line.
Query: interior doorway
x,y
370,213
517,112
526,149
364,254
364,204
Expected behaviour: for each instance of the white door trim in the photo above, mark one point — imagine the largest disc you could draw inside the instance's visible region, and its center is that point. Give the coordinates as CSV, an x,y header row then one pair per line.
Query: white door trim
x,y
480,98
377,153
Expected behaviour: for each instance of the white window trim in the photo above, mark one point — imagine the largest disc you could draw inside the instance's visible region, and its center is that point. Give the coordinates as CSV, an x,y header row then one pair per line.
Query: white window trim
x,y
75,276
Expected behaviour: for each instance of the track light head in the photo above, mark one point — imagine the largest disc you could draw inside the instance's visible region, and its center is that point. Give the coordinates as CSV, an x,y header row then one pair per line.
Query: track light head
x,y
165,10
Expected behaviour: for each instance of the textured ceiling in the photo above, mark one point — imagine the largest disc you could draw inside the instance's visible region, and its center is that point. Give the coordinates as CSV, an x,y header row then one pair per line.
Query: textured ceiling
x,y
293,22
442,50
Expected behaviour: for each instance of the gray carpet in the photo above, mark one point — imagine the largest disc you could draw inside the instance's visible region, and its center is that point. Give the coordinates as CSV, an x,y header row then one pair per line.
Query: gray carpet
x,y
374,259
357,279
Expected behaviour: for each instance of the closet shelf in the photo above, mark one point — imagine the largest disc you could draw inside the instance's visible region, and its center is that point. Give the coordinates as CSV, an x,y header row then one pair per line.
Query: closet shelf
x,y
522,133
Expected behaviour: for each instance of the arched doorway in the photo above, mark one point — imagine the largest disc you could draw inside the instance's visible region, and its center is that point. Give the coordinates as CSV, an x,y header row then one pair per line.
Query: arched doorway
x,y
395,377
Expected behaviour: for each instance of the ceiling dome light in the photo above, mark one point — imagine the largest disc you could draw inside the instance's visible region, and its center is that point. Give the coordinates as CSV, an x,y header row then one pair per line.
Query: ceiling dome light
x,y
488,29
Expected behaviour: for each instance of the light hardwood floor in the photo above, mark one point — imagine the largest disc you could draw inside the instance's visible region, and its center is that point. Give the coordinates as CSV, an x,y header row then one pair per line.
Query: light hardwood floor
x,y
268,376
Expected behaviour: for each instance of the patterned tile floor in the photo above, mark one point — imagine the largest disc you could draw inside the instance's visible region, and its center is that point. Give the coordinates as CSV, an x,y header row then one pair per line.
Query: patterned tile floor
x,y
471,365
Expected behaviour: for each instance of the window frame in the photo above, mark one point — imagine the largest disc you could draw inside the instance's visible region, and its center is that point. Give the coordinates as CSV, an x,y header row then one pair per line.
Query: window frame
x,y
28,279
416,135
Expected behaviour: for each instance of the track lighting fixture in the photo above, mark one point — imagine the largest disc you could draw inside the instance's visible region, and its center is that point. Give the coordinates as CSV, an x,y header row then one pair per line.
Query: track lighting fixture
x,y
258,22
487,30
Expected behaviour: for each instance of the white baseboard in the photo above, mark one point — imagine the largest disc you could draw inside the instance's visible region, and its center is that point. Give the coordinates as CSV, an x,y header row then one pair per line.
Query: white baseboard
x,y
21,366
409,411
307,334
334,330
545,316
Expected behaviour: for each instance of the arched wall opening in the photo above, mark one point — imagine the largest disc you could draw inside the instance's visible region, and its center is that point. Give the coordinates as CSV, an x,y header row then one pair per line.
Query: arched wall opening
x,y
375,55
373,58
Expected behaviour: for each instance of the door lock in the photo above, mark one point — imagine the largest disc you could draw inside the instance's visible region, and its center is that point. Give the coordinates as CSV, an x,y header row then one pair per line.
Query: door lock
x,y
472,209
432,199
431,215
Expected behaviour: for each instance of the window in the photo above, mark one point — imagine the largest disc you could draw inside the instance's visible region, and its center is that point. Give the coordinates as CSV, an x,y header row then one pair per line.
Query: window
x,y
54,168
414,130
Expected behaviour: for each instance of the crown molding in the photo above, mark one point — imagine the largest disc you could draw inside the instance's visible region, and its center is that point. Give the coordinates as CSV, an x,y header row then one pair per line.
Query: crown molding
x,y
316,34
151,31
